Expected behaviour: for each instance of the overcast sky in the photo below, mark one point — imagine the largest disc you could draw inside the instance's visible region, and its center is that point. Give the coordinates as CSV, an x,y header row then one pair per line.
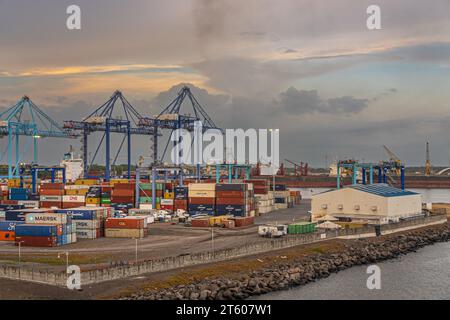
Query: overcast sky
x,y
310,68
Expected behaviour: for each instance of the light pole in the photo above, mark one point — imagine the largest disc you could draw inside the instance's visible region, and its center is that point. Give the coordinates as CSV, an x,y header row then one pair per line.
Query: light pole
x,y
136,250
212,240
20,256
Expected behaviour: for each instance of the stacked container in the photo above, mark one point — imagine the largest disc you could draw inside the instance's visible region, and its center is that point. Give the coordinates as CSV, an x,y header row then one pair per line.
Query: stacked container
x,y
20,214
89,221
71,201
123,193
181,198
58,219
76,190
93,196
264,201
202,198
146,194
8,230
130,227
105,197
51,195
282,196
38,235
233,199
19,194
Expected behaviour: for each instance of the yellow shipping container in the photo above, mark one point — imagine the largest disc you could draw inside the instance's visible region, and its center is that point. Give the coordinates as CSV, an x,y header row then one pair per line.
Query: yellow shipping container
x,y
169,195
219,220
92,200
87,182
76,192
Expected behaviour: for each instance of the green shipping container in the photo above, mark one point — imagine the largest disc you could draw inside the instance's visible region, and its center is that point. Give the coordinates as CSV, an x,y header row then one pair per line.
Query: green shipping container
x,y
148,186
105,200
301,228
148,200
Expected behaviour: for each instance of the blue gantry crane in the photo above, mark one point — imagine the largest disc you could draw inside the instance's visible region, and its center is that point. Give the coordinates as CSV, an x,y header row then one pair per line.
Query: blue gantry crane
x,y
172,118
107,119
27,119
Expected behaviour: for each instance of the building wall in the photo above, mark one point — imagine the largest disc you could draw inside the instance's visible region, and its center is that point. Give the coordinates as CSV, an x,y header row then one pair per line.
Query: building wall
x,y
404,205
349,198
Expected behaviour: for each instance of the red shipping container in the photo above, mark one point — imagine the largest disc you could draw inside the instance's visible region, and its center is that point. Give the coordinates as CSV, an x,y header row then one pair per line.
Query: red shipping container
x,y
9,201
243,222
202,200
122,192
168,207
202,223
237,201
124,186
51,192
36,241
49,204
119,223
230,194
68,205
52,186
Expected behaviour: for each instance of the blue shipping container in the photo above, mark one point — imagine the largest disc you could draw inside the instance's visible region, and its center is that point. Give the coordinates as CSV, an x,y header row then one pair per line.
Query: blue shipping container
x,y
7,207
79,214
15,216
231,209
9,225
36,230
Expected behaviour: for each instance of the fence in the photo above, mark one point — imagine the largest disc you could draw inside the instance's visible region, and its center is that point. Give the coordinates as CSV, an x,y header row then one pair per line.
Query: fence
x,y
149,266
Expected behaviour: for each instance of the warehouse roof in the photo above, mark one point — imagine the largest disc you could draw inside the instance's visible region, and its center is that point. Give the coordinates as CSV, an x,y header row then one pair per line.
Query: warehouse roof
x,y
381,189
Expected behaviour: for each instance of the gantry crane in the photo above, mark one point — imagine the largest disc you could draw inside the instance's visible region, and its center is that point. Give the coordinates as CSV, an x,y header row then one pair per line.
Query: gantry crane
x,y
394,161
27,119
172,119
107,119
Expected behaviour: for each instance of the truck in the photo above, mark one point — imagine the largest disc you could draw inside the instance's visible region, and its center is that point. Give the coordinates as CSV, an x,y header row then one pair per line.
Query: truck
x,y
273,231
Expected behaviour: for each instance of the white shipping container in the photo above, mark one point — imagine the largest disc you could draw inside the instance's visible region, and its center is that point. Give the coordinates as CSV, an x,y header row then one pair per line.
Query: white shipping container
x,y
87,234
50,198
124,233
29,203
80,199
146,206
167,201
134,211
46,218
86,224
76,187
74,237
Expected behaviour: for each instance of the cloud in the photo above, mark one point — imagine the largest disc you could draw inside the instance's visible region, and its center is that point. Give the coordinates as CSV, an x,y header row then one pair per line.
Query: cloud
x,y
299,102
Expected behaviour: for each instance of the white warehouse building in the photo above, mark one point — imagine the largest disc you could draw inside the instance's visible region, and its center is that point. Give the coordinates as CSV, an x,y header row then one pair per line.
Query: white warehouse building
x,y
379,203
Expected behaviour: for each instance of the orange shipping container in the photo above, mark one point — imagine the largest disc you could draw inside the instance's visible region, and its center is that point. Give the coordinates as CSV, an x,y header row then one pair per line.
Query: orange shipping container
x,y
7,235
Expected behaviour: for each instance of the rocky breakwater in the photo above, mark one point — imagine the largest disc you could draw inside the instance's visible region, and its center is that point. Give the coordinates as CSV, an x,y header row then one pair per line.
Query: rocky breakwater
x,y
299,271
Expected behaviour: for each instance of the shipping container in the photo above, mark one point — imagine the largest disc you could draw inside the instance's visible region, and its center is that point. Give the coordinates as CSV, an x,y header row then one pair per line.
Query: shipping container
x,y
9,225
231,187
124,233
124,223
32,241
301,228
38,230
46,218
202,193
202,200
7,236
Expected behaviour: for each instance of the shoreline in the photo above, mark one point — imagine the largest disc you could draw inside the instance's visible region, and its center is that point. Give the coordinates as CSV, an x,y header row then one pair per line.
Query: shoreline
x,y
296,268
